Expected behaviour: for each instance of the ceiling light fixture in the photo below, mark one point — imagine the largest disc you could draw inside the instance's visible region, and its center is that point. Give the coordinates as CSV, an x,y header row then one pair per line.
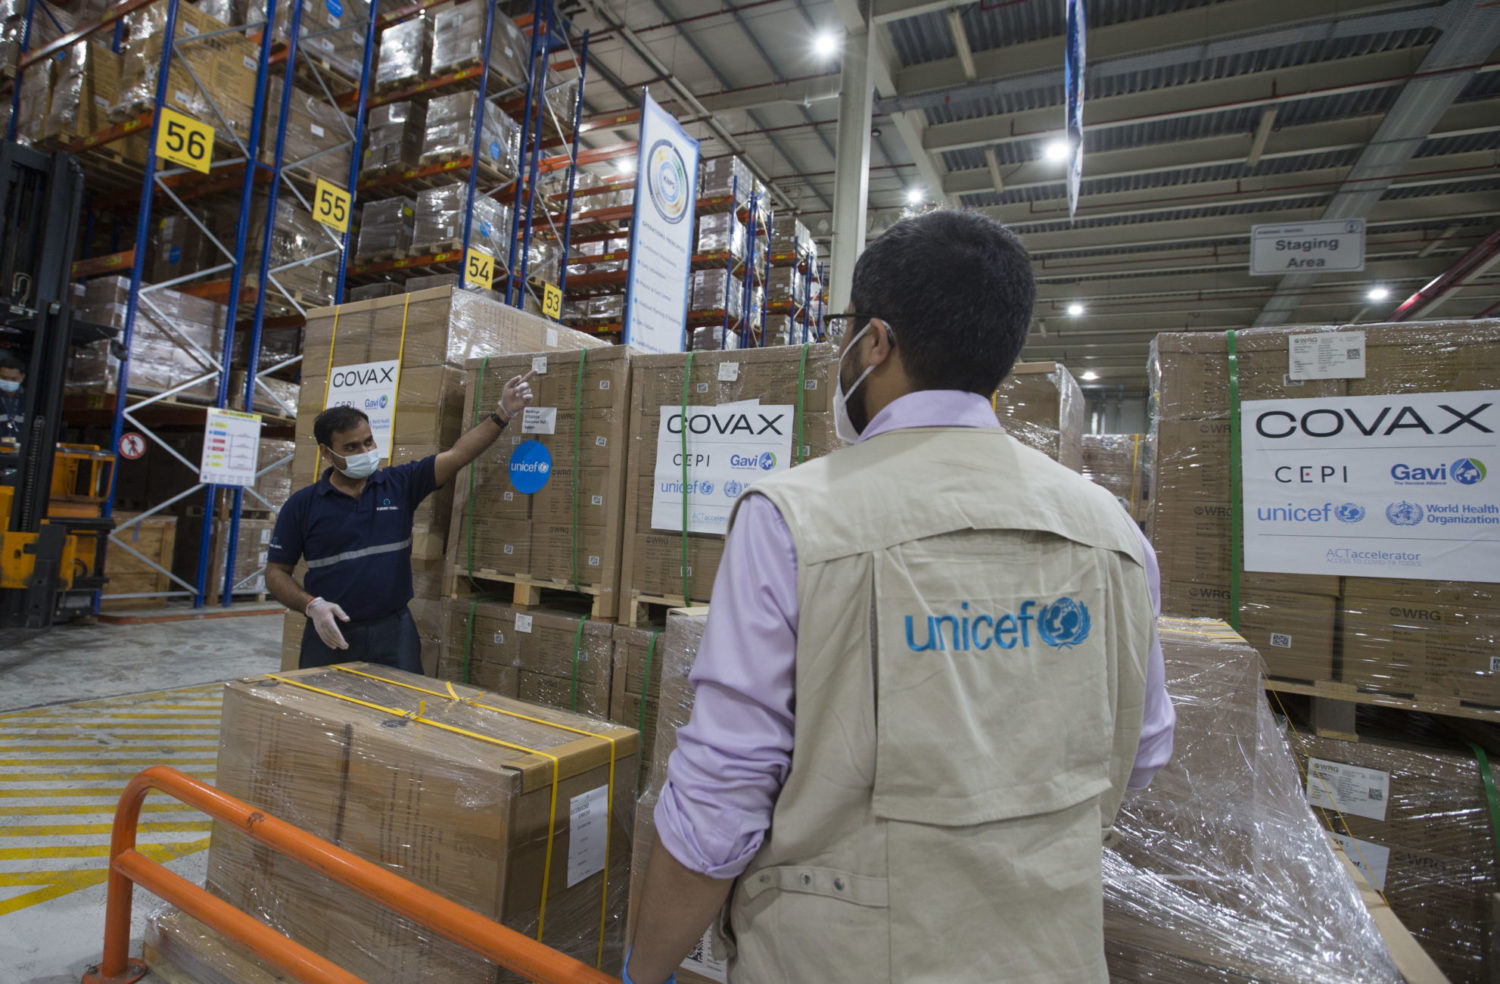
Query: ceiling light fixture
x,y
1057,150
625,165
1088,375
1075,309
1379,293
825,44
915,196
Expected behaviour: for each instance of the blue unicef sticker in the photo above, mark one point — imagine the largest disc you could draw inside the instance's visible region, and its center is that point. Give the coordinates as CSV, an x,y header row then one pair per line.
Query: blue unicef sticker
x,y
495,149
530,467
174,255
335,7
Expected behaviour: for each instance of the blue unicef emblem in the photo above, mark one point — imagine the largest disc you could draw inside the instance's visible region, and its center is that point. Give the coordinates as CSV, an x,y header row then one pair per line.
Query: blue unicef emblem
x,y
530,467
732,489
174,254
1064,623
767,461
495,150
335,7
705,488
1403,513
1467,471
1350,512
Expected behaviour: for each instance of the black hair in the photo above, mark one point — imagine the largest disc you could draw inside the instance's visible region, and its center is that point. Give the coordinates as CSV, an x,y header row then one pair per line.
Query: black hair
x,y
957,290
334,420
9,360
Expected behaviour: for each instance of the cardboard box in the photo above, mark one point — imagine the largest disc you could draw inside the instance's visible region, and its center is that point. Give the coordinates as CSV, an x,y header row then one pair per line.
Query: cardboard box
x,y
652,563
1293,631
635,697
154,538
1413,814
468,815
1041,405
573,524
1429,638
556,658
181,950
1118,462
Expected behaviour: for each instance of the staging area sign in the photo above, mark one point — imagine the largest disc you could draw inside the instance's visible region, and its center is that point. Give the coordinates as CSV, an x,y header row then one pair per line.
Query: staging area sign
x,y
371,387
1307,247
728,448
1373,486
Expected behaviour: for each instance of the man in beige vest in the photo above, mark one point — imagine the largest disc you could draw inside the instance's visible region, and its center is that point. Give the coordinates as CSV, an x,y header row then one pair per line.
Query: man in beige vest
x,y
929,675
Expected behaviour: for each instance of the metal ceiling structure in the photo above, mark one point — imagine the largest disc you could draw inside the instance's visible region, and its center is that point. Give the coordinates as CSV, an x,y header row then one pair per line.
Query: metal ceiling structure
x,y
1203,118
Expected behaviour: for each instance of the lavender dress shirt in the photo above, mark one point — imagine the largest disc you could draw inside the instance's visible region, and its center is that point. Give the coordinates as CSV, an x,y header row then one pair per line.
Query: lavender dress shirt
x,y
734,755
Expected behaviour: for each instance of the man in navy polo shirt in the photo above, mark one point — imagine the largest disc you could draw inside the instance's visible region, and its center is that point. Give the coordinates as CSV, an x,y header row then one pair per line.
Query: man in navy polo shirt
x,y
354,528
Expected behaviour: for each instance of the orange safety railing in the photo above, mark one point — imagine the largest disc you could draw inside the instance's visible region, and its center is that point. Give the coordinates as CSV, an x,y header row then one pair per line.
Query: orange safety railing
x,y
128,868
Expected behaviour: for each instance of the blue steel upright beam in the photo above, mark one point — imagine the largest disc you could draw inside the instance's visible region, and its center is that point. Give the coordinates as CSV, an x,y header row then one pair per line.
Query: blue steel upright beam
x,y
355,154
15,89
241,235
142,239
515,215
546,29
583,69
481,110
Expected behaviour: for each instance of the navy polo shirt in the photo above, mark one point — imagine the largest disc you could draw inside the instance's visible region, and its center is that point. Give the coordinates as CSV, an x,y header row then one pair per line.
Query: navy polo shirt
x,y
358,550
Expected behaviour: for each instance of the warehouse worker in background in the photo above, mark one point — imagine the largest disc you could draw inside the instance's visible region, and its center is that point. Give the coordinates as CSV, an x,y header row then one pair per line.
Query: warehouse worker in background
x,y
929,674
354,527
12,399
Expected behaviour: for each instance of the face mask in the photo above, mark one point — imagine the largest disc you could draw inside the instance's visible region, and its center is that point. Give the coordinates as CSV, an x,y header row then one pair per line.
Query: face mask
x,y
10,385
842,424
360,466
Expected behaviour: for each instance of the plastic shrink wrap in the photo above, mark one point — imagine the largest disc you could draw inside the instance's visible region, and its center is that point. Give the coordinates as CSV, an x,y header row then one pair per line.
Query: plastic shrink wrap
x,y
458,42
450,133
519,812
318,135
405,49
212,79
555,658
1119,462
385,228
721,233
333,34
1041,405
393,137
440,218
169,326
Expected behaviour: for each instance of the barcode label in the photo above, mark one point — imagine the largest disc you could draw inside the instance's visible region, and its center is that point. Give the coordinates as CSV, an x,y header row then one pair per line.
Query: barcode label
x,y
509,549
539,365
523,622
1281,641
499,638
1348,788
702,387
601,442
604,384
598,500
1495,664
593,561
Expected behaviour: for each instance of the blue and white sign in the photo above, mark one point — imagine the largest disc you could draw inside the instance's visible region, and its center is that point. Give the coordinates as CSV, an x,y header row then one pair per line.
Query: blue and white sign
x,y
729,448
1073,64
1374,486
661,234
530,467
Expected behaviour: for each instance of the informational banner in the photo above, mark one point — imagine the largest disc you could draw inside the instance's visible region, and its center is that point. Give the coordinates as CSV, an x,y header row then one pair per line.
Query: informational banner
x,y
661,234
1373,486
1307,247
728,448
371,387
1073,65
231,443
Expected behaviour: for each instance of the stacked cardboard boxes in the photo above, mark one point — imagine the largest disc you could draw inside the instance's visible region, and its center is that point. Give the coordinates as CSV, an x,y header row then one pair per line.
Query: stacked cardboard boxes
x,y
635,699
786,391
1041,405
568,533
1415,818
1119,463
168,325
504,807
154,539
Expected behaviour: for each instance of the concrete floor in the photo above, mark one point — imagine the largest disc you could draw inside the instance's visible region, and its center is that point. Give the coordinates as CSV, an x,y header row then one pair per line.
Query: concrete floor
x,y
82,708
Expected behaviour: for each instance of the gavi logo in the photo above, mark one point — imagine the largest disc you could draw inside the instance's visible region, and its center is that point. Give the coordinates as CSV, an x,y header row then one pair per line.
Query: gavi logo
x,y
1062,624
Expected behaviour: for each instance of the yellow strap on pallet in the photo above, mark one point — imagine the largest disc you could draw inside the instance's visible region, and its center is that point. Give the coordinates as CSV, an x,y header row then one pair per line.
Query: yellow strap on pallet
x,y
1135,474
420,719
610,789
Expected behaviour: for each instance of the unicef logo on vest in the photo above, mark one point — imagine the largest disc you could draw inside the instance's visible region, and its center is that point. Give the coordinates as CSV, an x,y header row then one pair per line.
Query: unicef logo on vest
x,y
1403,513
1064,623
1467,471
1350,512
530,467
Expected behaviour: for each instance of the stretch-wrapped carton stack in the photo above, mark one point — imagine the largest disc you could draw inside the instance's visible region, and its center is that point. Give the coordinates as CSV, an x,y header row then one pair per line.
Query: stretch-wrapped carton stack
x,y
567,533
385,228
1041,405
168,326
393,137
212,80
440,215
542,656
519,812
318,134
750,413
1120,462
405,50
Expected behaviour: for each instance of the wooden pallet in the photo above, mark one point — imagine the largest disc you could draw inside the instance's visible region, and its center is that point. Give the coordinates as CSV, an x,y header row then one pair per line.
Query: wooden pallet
x,y
644,609
527,592
433,249
1334,704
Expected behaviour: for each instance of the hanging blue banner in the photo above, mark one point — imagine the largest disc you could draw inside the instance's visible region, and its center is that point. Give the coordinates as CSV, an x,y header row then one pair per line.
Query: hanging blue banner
x,y
661,233
1073,59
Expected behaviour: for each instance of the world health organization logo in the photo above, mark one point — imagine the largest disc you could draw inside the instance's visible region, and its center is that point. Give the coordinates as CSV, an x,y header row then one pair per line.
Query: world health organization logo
x,y
1403,513
1064,623
1467,471
732,489
1350,512
667,181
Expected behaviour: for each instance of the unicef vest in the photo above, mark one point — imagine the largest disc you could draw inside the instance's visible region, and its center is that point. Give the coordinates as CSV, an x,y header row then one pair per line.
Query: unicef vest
x,y
971,660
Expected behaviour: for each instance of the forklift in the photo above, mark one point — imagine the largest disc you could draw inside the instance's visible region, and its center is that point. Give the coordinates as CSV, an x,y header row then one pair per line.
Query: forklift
x,y
52,496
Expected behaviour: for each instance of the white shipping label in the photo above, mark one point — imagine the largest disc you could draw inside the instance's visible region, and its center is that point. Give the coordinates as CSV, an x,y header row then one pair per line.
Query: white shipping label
x,y
701,960
370,387
539,420
250,63
552,338
1371,859
1348,788
1393,486
1281,640
316,130
604,384
588,834
729,372
1326,355
523,622
1495,664
539,365
182,98
728,449
601,442
499,638
101,102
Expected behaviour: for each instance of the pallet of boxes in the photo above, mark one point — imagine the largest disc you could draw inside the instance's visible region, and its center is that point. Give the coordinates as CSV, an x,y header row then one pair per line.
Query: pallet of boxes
x,y
425,340
1360,535
1121,464
1040,404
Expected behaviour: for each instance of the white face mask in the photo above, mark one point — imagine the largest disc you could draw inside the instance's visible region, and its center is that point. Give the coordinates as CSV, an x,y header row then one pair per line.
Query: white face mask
x,y
360,466
10,385
843,426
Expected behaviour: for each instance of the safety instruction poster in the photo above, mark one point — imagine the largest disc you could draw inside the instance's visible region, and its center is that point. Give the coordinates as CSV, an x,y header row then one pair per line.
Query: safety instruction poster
x,y
371,387
231,444
1373,486
729,447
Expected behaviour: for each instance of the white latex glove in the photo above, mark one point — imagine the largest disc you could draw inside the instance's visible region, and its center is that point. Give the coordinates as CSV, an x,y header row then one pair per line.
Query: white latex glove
x,y
517,395
325,617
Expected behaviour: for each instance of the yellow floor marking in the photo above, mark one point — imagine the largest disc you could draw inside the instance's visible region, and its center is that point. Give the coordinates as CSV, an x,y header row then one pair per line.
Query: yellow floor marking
x,y
123,773
141,746
111,725
129,763
188,712
72,881
102,809
81,829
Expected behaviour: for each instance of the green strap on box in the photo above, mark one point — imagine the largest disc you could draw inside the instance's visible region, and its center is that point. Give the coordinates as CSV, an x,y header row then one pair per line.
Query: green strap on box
x,y
577,650
687,378
801,390
583,358
640,720
469,506
1236,486
469,637
1490,795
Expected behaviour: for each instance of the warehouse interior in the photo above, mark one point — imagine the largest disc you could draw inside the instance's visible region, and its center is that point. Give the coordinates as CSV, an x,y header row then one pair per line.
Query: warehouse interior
x,y
541,249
